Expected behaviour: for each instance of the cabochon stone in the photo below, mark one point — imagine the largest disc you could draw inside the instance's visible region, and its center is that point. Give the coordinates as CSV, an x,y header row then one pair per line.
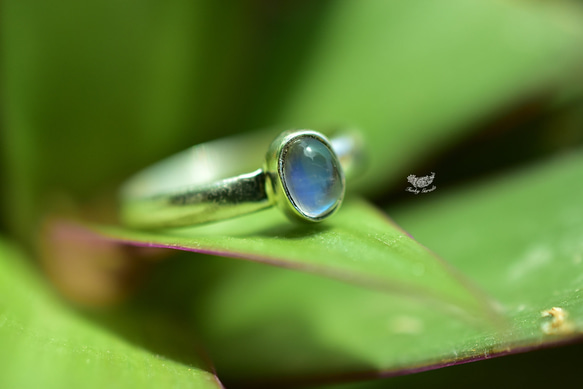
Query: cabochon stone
x,y
312,176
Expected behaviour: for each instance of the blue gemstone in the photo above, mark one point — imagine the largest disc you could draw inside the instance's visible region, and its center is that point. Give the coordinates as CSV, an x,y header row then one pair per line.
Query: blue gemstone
x,y
311,174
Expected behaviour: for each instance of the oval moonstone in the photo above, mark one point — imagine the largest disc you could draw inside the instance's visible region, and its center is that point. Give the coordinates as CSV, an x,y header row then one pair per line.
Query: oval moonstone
x,y
311,174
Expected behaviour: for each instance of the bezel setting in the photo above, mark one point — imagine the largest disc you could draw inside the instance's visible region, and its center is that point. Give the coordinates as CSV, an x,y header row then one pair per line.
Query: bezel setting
x,y
277,187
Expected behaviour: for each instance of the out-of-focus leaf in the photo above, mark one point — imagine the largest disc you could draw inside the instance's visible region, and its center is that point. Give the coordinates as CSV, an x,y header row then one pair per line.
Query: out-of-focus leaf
x,y
46,344
358,245
96,90
414,75
267,326
88,82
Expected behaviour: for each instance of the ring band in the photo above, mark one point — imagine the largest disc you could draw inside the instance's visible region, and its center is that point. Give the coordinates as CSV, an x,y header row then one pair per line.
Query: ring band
x,y
303,174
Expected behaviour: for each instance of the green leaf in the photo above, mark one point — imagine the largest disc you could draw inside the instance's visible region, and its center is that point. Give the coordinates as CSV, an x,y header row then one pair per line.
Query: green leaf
x,y
359,245
271,313
45,343
272,327
410,74
518,235
415,75
94,91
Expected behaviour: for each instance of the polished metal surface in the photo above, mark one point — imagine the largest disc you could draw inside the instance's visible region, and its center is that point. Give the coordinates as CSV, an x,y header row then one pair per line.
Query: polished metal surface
x,y
220,180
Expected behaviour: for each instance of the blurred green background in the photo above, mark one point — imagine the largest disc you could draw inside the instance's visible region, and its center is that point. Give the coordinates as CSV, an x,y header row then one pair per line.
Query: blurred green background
x,y
93,91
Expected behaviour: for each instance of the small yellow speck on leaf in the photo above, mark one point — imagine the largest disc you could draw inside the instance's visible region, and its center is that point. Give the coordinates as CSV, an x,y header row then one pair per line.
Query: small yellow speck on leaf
x,y
559,324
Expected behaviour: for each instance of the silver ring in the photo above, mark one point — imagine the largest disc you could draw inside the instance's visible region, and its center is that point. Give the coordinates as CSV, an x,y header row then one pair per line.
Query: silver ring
x,y
303,173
